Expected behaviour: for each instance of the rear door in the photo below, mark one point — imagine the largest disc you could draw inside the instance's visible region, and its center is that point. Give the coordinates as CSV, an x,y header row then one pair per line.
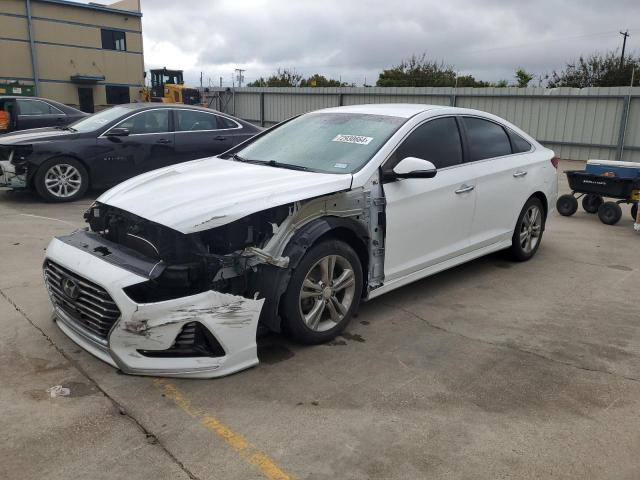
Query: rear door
x,y
202,134
504,174
149,145
428,220
34,113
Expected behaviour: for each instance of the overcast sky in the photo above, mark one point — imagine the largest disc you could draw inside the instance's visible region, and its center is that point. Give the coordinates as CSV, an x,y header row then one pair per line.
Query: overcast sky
x,y
356,39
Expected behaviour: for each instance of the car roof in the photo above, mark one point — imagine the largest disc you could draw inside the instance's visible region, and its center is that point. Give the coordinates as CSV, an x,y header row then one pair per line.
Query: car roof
x,y
148,105
404,110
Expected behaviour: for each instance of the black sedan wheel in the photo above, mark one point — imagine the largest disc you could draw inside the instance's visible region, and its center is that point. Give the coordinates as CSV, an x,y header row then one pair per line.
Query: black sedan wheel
x,y
323,292
61,179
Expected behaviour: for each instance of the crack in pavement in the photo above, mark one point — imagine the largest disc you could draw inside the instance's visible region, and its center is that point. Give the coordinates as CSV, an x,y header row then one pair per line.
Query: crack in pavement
x,y
148,434
510,347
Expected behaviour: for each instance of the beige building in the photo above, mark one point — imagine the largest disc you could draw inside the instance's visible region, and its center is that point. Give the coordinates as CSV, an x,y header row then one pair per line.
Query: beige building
x,y
85,55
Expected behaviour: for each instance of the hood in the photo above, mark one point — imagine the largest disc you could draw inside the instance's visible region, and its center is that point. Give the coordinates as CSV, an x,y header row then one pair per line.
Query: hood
x,y
24,137
207,193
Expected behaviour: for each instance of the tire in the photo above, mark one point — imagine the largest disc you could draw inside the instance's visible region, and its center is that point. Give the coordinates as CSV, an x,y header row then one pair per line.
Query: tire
x,y
609,213
317,318
567,205
61,179
591,202
634,211
527,235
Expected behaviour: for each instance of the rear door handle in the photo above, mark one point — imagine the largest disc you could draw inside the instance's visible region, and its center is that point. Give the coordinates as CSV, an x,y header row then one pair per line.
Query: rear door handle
x,y
164,140
220,138
520,173
465,188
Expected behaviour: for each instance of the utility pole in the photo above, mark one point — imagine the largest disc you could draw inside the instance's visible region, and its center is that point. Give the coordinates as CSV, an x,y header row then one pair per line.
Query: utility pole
x,y
625,34
240,76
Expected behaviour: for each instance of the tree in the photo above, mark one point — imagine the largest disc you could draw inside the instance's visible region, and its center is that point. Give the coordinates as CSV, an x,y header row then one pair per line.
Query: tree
x,y
500,84
597,70
418,71
523,77
318,80
282,78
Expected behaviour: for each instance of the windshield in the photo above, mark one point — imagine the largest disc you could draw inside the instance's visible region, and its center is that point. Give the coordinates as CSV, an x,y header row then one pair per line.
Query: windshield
x,y
323,142
99,120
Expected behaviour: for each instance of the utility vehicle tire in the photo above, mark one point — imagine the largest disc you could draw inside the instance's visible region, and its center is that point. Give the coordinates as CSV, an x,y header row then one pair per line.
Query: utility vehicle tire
x,y
609,213
591,202
567,205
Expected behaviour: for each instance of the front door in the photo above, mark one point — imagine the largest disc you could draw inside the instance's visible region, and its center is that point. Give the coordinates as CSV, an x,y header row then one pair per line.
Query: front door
x,y
85,99
428,220
149,145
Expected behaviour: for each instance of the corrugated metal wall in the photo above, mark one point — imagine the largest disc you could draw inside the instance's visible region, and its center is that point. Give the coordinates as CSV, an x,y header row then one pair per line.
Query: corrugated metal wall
x,y
579,124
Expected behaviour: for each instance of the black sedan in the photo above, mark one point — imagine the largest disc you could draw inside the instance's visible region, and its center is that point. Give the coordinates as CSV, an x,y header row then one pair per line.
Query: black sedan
x,y
35,112
115,144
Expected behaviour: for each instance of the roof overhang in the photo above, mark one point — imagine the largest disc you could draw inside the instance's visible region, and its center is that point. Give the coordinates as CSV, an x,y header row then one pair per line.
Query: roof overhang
x,y
94,6
90,79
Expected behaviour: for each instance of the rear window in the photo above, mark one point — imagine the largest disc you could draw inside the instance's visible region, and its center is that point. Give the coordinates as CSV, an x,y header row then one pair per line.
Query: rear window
x,y
486,139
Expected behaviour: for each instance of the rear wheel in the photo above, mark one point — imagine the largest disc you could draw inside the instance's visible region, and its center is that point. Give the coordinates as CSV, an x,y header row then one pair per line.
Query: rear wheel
x,y
323,293
610,213
567,205
529,229
61,179
591,202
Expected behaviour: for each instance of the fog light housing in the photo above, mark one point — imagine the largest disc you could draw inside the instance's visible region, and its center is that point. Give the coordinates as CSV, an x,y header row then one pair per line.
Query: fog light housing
x,y
194,340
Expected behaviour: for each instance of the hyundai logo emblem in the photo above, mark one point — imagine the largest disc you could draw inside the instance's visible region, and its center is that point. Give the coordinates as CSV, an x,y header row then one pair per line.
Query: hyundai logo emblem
x,y
70,288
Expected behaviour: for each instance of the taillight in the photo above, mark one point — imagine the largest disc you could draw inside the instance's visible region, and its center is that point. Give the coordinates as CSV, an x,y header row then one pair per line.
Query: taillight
x,y
555,161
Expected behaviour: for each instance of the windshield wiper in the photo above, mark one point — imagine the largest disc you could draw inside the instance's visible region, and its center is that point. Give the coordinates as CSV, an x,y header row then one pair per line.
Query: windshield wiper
x,y
66,127
274,163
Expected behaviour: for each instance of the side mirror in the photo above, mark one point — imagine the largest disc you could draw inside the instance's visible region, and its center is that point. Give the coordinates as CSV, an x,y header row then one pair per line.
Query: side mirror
x,y
118,132
412,167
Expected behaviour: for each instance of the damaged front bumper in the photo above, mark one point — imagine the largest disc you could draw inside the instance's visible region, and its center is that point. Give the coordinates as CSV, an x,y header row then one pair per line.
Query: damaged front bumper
x,y
92,308
9,179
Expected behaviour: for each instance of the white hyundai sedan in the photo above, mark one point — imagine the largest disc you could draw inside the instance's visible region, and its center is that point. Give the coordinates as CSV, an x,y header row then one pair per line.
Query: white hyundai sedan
x,y
290,230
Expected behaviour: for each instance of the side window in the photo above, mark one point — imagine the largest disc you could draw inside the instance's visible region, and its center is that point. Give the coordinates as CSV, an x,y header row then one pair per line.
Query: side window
x,y
36,107
193,120
152,121
486,139
225,122
113,40
519,144
437,141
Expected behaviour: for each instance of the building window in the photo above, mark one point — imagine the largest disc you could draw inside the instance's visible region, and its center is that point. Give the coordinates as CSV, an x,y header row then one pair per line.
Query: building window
x,y
117,94
114,40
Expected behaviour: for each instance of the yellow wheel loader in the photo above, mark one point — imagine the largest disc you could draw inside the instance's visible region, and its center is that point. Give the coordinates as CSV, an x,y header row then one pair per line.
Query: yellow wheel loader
x,y
167,86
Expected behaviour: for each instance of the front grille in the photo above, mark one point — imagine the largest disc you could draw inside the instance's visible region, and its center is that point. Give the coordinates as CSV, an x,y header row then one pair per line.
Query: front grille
x,y
91,307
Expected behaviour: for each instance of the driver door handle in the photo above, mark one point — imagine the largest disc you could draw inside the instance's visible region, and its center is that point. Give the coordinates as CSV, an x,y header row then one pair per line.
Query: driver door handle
x,y
520,173
220,138
464,188
164,140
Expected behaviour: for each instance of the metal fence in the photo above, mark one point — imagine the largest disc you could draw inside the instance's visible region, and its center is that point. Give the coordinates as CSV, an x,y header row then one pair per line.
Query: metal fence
x,y
602,123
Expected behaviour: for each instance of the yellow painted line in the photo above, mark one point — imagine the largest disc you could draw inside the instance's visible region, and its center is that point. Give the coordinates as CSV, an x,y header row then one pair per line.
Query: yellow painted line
x,y
237,442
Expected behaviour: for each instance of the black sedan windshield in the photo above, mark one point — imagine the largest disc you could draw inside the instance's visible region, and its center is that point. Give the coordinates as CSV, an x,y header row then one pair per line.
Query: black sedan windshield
x,y
324,142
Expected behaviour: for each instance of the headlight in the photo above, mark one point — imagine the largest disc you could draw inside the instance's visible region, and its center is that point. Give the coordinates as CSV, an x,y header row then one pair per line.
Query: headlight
x,y
20,154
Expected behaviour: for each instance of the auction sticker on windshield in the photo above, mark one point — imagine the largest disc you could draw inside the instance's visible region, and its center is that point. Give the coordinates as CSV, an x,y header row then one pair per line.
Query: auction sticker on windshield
x,y
341,137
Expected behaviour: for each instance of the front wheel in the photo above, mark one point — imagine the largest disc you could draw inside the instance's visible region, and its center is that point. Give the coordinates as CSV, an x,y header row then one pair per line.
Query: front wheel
x,y
61,180
323,293
529,229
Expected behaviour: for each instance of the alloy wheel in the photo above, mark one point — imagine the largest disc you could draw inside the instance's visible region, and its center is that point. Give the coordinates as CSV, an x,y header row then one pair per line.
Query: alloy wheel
x,y
530,229
63,180
327,293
